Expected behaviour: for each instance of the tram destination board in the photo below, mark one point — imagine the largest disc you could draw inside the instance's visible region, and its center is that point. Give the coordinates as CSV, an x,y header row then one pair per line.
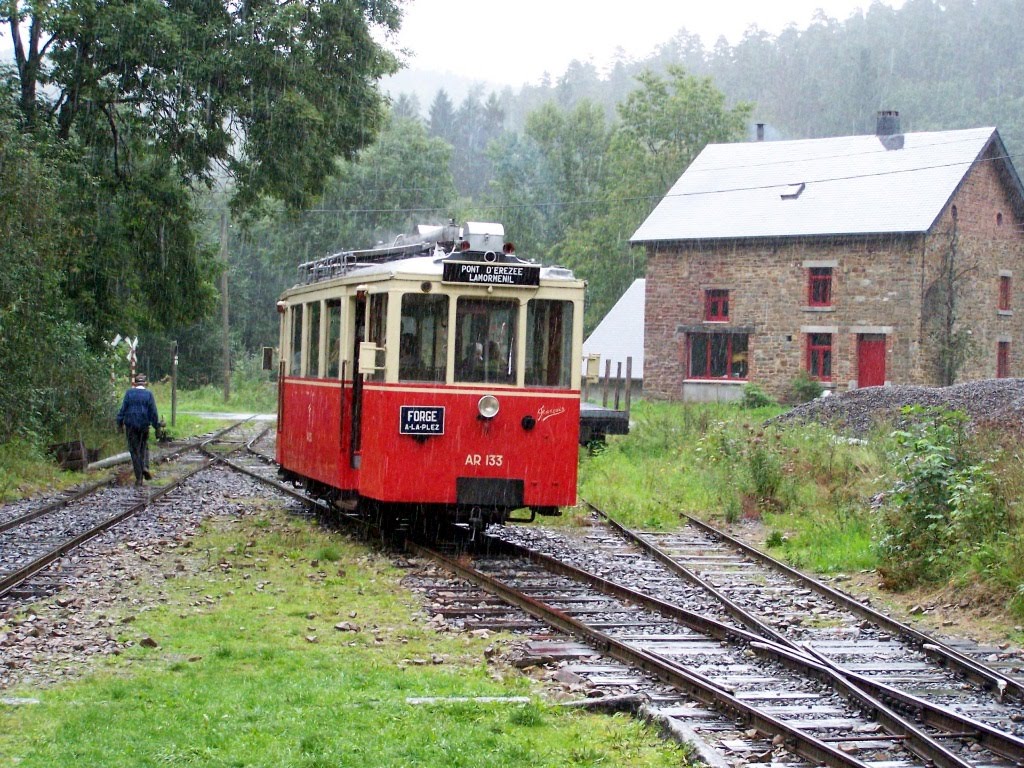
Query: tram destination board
x,y
421,420
486,273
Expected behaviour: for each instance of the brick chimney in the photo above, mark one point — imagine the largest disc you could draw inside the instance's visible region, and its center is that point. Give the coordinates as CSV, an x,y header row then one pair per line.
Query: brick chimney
x,y
888,123
887,129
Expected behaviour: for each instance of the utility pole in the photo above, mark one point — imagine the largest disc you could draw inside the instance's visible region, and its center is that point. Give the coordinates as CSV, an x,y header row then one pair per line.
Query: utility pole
x,y
224,302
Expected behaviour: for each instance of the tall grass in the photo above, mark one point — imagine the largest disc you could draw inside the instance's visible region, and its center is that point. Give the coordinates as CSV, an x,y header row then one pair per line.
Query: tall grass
x,y
252,391
721,461
25,470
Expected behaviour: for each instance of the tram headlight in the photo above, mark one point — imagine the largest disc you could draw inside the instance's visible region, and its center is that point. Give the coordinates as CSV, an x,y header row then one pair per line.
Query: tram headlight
x,y
488,407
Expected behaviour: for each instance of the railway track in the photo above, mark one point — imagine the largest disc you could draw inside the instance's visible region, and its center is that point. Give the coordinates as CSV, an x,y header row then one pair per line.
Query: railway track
x,y
842,692
793,610
36,535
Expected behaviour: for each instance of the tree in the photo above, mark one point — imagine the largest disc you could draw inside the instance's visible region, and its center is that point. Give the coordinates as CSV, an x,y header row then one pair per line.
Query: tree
x,y
573,144
147,102
407,106
52,384
667,121
401,180
441,118
519,194
663,125
476,124
579,82
954,342
270,92
136,264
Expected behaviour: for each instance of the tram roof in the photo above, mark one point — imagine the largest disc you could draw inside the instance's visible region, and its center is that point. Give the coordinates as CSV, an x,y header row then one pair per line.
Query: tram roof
x,y
425,266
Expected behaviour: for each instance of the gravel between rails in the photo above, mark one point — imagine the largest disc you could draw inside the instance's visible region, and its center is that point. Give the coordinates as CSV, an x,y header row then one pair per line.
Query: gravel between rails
x,y
988,404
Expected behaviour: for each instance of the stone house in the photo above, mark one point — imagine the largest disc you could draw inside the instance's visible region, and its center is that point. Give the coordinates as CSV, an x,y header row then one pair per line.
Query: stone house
x,y
861,260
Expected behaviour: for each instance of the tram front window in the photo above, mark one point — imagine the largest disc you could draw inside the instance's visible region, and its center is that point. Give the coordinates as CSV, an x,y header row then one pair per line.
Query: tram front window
x,y
424,338
485,340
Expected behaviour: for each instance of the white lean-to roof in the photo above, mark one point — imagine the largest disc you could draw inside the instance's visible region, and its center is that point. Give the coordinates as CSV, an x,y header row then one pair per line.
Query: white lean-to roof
x,y
818,187
620,334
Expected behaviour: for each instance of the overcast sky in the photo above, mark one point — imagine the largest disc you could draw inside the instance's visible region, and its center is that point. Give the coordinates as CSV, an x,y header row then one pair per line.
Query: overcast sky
x,y
526,38
523,39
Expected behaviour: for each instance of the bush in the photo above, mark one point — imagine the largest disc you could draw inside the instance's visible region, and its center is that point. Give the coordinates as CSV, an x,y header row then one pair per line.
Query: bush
x,y
944,508
803,388
755,397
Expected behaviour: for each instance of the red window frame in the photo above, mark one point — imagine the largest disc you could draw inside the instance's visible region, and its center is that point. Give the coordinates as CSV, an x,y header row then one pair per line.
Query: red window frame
x,y
735,360
1003,360
819,356
1004,293
716,305
819,287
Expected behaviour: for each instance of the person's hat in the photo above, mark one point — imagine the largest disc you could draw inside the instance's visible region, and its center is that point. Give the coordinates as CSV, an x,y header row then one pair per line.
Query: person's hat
x,y
140,379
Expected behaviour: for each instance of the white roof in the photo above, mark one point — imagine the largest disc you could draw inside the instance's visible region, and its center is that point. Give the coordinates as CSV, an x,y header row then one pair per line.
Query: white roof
x,y
621,333
845,185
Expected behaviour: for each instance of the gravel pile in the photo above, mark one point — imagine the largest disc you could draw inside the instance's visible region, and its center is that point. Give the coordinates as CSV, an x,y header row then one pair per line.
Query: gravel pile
x,y
990,403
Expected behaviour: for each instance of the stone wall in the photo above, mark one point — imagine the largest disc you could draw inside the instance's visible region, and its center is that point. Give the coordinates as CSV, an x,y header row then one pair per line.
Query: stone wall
x,y
988,242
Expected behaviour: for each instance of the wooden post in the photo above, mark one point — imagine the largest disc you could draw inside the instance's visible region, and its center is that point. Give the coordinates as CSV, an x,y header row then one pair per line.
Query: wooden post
x,y
618,383
174,382
604,386
133,346
629,382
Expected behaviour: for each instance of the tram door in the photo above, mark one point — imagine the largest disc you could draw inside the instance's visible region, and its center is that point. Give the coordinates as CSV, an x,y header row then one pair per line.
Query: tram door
x,y
355,437
370,319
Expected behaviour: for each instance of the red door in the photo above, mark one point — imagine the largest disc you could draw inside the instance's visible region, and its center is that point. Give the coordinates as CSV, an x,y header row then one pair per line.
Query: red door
x,y
870,360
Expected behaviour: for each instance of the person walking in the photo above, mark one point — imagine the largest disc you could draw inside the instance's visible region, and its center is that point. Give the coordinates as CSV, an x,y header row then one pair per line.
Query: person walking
x,y
137,414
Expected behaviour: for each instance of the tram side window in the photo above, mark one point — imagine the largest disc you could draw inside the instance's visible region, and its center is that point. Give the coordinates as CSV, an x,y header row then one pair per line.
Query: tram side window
x,y
549,343
296,362
313,357
424,338
485,347
333,337
376,329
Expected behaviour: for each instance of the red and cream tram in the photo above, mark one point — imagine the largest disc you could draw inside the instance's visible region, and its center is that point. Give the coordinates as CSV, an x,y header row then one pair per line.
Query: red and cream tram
x,y
438,377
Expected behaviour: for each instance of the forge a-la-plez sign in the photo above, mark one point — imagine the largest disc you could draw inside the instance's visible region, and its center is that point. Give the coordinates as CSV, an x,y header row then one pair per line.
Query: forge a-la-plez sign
x,y
486,273
421,420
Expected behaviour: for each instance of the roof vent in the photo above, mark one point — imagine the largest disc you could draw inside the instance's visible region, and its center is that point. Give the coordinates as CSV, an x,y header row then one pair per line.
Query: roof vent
x,y
793,191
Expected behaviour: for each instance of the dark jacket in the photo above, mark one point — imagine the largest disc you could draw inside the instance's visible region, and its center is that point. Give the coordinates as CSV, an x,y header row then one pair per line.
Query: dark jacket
x,y
138,409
